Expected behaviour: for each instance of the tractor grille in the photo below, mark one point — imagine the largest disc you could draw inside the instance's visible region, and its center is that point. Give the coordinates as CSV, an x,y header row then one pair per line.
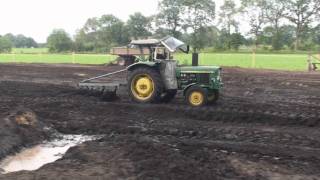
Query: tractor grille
x,y
204,78
195,78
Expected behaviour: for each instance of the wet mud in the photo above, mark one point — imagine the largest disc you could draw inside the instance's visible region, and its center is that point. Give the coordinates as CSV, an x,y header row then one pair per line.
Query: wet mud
x,y
265,126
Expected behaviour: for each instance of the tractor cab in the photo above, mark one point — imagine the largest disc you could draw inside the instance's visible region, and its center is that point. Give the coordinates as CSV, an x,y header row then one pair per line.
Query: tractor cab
x,y
157,50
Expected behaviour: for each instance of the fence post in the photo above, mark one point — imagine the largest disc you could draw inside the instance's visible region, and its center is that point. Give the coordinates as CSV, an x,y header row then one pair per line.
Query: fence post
x,y
40,56
73,58
13,54
309,60
253,63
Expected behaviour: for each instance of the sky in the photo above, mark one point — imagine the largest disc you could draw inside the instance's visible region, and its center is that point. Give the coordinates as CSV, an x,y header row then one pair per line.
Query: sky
x,y
37,18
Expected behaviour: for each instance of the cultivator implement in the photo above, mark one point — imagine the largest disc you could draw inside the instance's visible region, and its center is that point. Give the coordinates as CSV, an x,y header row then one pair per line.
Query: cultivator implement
x,y
107,90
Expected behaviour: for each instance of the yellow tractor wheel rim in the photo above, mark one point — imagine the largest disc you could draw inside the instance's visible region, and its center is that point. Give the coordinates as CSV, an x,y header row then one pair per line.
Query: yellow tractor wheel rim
x,y
196,98
142,87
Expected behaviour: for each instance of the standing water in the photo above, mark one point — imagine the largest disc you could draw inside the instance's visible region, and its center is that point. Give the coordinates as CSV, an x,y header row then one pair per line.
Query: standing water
x,y
33,158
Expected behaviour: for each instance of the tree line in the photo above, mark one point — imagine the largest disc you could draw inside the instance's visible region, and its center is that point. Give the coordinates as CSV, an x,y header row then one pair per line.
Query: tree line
x,y
8,41
273,25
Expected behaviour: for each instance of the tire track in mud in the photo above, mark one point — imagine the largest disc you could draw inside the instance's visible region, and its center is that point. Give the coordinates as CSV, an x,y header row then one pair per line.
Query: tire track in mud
x,y
248,134
236,110
181,112
259,150
243,113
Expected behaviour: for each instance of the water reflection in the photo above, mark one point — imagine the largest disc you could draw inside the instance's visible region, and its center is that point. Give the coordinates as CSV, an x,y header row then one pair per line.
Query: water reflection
x,y
33,158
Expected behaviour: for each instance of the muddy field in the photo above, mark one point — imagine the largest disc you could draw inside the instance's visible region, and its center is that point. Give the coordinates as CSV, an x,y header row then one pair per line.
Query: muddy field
x,y
266,126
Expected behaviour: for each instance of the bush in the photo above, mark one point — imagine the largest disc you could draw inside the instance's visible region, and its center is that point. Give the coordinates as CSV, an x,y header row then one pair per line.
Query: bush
x,y
5,45
59,41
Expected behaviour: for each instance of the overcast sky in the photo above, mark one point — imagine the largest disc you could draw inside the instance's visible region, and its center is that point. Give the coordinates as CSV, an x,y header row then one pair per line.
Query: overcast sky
x,y
37,18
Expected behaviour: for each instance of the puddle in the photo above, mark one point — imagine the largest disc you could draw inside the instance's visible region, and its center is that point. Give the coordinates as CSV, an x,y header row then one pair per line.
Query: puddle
x,y
34,158
80,74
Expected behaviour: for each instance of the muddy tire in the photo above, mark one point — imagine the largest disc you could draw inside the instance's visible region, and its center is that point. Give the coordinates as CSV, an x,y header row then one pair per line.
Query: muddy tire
x,y
213,96
168,96
145,85
197,96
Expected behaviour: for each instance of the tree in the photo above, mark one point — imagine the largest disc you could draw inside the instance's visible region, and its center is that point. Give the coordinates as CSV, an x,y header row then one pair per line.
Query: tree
x,y
199,14
59,41
100,34
236,41
267,35
112,32
84,42
227,16
301,13
223,41
163,32
11,38
212,36
5,45
316,35
92,25
256,10
31,43
21,41
287,35
169,17
139,26
274,14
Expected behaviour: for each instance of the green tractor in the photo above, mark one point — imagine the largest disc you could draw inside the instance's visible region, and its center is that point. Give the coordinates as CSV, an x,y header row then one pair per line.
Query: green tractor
x,y
154,77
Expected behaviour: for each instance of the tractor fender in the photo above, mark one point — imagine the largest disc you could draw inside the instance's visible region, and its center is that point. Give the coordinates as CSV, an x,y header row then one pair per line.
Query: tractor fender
x,y
142,64
187,87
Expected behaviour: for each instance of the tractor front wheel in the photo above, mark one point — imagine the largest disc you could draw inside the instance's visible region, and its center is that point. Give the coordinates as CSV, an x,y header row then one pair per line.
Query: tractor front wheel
x,y
145,85
197,96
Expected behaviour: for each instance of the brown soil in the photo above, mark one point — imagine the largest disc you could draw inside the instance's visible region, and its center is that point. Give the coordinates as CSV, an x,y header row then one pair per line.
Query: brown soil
x,y
266,126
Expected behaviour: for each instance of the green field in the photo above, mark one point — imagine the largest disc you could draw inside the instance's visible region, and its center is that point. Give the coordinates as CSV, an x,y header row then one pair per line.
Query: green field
x,y
265,61
56,58
29,50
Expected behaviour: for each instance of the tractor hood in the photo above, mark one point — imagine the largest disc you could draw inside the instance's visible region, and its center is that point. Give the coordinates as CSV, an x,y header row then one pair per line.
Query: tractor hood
x,y
173,44
200,69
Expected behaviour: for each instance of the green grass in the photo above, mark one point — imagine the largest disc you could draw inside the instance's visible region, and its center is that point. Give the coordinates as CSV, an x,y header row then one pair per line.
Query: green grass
x,y
265,61
29,50
56,58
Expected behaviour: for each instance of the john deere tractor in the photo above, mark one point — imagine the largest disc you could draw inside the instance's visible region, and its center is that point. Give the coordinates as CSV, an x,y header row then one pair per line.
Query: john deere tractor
x,y
153,76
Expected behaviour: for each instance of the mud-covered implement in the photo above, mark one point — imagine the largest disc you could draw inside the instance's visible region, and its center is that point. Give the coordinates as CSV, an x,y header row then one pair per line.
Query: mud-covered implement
x,y
106,89
153,76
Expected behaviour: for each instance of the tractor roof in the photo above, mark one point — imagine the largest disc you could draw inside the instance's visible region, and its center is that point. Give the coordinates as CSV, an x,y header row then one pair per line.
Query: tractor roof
x,y
171,43
145,42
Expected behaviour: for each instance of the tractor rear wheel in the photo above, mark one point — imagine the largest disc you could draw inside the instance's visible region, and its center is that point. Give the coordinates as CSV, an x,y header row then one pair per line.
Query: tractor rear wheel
x,y
168,96
197,96
145,85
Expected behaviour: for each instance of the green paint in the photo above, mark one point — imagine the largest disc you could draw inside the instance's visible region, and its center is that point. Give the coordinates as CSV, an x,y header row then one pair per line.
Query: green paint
x,y
194,75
